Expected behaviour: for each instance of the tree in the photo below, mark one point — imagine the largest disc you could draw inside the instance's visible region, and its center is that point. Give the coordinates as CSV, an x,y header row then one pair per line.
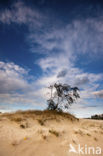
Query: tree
x,y
62,96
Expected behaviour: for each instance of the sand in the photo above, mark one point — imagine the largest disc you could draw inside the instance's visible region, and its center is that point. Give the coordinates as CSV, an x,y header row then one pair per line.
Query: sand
x,y
40,134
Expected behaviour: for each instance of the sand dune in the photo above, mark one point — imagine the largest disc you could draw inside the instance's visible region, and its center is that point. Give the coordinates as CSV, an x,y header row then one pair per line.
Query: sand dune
x,y
37,133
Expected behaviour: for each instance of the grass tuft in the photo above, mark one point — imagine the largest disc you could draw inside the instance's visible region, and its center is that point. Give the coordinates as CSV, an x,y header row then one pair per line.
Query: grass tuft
x,y
44,137
16,119
54,132
95,139
88,134
22,126
14,143
41,122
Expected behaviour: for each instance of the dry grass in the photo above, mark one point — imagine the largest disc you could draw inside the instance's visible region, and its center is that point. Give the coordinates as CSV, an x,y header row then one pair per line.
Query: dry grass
x,y
54,132
76,132
95,131
95,139
92,125
44,137
16,119
20,116
80,132
41,122
88,134
74,141
101,127
22,126
14,143
101,132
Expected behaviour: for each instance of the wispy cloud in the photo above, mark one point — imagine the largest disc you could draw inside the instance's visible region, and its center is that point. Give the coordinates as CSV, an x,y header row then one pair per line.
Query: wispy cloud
x,y
98,94
61,45
21,14
76,37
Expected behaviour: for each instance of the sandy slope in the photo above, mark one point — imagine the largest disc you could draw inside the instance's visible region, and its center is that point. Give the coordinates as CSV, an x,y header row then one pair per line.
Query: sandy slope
x,y
47,135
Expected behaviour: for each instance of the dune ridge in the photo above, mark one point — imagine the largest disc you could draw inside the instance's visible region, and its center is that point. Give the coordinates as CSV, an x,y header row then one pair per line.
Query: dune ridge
x,y
46,133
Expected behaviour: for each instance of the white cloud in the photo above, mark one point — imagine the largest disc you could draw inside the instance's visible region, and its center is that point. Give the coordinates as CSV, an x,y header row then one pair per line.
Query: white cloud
x,y
21,14
12,78
78,37
98,94
62,45
16,89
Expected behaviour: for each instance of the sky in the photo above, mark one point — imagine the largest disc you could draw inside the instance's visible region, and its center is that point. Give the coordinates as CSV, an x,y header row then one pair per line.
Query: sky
x,y
48,41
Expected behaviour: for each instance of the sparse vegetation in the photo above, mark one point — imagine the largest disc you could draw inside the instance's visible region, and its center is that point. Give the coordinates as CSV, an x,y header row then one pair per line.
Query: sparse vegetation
x,y
88,134
79,132
95,139
74,141
54,132
95,131
41,122
44,130
76,132
22,126
15,142
22,116
16,119
44,137
101,126
101,132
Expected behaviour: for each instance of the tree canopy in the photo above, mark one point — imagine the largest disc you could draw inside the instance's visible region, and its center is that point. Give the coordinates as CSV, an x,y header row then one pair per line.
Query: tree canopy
x,y
62,96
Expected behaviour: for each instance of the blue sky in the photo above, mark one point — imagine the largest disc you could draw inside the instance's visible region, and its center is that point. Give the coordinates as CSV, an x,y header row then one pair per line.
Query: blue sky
x,y
42,42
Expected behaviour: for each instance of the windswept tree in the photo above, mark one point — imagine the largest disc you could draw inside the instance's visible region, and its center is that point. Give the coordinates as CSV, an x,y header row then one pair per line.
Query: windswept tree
x,y
62,96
